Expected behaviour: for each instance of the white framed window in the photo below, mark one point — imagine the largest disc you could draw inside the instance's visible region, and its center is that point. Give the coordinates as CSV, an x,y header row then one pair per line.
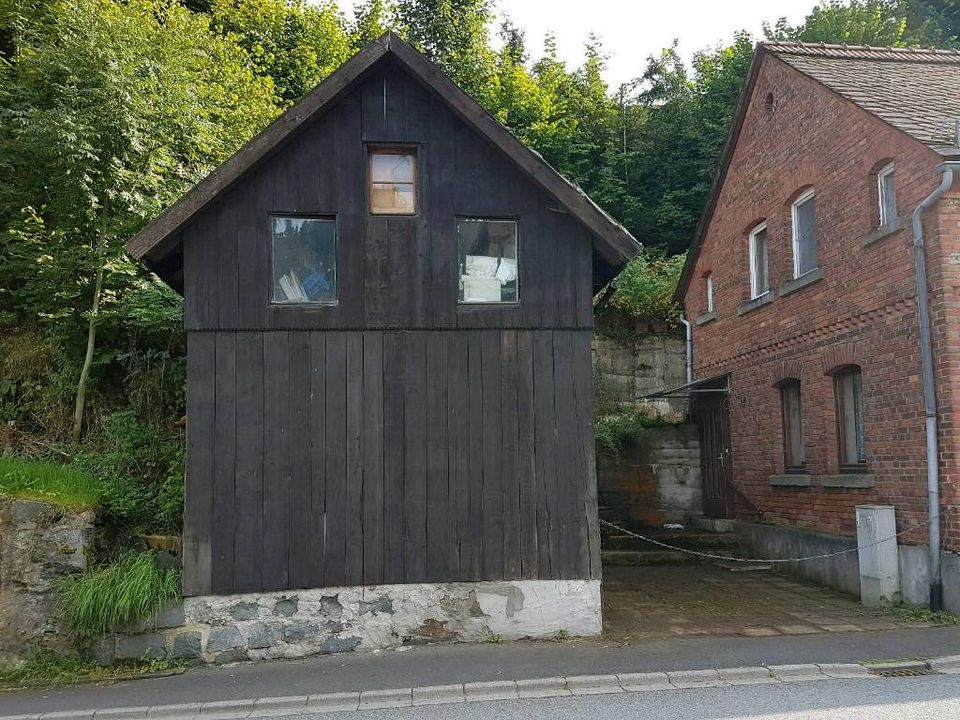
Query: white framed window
x,y
887,194
804,215
709,289
759,262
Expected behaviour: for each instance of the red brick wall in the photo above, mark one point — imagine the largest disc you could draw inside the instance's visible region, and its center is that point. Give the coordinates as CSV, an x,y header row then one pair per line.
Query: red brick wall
x,y
863,311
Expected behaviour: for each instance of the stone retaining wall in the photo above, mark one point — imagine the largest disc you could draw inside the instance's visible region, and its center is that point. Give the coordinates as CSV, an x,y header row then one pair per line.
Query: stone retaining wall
x,y
626,372
39,544
332,620
655,479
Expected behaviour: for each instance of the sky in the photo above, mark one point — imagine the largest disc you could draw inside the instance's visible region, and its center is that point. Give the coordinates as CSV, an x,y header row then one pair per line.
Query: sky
x,y
631,30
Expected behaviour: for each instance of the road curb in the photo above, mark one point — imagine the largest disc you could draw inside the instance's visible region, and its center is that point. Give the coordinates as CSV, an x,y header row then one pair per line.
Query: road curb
x,y
577,685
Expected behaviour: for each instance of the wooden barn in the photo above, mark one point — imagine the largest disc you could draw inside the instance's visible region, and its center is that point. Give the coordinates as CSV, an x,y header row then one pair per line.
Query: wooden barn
x,y
388,302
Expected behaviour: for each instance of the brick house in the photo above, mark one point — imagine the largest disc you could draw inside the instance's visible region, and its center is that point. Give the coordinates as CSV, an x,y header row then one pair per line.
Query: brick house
x,y
801,291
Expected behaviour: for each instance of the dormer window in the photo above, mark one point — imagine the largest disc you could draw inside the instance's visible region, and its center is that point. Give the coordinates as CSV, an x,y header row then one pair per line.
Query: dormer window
x,y
887,193
393,180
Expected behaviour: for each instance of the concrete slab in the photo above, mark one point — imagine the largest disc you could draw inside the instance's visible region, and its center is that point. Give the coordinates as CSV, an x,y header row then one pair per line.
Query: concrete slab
x,y
642,682
333,702
545,687
844,670
756,675
438,695
948,665
695,678
797,673
594,684
380,699
496,690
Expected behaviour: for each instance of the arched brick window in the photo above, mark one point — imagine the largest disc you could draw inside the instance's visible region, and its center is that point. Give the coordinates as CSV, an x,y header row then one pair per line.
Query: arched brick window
x,y
794,454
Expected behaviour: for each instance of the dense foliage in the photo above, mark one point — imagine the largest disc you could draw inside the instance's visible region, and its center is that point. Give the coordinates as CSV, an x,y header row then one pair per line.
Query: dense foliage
x,y
110,109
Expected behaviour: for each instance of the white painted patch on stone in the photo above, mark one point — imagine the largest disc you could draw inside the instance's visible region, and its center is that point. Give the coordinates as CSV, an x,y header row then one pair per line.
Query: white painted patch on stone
x,y
290,624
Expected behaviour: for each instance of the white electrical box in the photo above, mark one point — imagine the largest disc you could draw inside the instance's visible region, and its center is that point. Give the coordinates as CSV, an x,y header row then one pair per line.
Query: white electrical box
x,y
879,555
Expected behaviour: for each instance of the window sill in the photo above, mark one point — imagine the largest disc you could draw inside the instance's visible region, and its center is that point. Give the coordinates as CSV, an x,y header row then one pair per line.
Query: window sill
x,y
808,278
757,302
705,318
881,232
849,480
790,480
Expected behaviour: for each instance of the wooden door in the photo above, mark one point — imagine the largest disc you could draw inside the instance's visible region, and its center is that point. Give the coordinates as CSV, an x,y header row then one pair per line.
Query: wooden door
x,y
716,467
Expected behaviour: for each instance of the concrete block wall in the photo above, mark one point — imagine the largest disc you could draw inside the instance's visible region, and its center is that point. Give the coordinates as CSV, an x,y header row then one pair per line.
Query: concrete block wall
x,y
656,478
626,372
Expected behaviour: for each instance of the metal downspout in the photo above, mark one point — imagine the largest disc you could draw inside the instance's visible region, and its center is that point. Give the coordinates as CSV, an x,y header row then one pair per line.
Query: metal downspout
x,y
929,389
688,348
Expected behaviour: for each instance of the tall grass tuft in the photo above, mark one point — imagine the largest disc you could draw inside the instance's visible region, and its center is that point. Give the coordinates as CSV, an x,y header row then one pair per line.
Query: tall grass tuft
x,y
48,482
131,589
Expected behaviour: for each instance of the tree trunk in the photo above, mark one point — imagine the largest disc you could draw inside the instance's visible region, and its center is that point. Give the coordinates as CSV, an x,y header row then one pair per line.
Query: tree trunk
x,y
81,400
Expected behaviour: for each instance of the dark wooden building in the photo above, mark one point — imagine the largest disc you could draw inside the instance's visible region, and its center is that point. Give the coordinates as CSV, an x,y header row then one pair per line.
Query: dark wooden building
x,y
388,302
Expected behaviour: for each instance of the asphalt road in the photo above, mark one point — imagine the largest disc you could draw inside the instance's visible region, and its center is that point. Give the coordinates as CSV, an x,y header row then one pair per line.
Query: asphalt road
x,y
913,698
443,664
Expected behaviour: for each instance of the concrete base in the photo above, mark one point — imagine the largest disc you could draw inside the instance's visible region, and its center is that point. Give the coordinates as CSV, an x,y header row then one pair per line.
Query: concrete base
x,y
843,571
261,626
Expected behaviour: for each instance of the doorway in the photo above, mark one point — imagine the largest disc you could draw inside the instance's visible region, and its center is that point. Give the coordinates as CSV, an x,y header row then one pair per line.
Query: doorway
x,y
716,462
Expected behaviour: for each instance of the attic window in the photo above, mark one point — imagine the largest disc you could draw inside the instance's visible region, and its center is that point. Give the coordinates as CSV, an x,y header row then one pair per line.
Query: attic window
x,y
304,260
487,259
393,180
887,193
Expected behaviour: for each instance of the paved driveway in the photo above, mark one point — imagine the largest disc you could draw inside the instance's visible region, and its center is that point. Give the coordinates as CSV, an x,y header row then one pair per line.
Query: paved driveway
x,y
659,602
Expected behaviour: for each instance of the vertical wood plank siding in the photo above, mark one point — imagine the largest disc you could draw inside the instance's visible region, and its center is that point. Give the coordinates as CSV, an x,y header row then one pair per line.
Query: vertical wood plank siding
x,y
371,473
394,436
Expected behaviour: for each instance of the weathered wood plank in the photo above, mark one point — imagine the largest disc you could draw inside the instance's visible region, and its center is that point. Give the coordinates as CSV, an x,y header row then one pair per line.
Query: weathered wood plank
x,y
373,460
458,449
355,469
276,455
471,536
527,461
201,471
546,455
510,440
415,456
301,487
569,471
228,269
394,483
351,175
225,460
336,459
583,388
318,457
438,498
248,545
492,457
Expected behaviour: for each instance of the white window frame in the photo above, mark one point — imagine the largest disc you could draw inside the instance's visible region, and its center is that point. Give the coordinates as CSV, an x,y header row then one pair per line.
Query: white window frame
x,y
709,280
754,294
886,170
801,199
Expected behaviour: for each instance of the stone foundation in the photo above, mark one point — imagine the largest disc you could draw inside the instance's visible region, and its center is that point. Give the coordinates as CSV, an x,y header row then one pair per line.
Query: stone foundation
x,y
263,626
39,544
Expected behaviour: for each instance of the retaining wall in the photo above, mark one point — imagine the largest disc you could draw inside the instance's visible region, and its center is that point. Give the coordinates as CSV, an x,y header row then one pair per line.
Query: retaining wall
x,y
627,372
39,544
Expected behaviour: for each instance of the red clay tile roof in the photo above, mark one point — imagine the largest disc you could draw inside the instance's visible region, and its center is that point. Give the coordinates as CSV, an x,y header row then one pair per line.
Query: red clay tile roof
x,y
915,90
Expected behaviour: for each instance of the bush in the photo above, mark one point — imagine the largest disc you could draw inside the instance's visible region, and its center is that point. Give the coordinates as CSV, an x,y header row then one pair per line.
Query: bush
x,y
131,589
49,482
615,431
645,288
141,467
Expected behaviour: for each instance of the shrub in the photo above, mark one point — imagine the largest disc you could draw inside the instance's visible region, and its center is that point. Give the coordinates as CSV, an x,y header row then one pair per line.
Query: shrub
x,y
133,588
50,482
615,431
644,289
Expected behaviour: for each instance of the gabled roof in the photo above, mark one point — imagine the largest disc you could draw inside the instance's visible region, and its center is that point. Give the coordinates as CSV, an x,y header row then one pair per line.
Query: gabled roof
x,y
916,91
157,243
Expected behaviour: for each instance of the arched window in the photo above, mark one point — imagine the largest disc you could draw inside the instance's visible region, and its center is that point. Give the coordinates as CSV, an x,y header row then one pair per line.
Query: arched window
x,y
887,194
794,457
851,435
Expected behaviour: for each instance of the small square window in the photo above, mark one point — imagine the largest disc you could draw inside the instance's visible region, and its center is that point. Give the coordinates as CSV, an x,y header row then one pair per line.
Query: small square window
x,y
304,254
393,181
887,188
759,276
487,261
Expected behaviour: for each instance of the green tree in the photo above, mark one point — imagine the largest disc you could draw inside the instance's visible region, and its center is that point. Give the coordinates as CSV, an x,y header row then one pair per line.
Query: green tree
x,y
115,112
894,23
455,35
295,43
372,18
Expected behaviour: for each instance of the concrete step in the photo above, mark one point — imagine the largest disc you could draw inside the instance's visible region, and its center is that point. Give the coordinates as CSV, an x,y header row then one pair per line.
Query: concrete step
x,y
612,540
641,558
716,525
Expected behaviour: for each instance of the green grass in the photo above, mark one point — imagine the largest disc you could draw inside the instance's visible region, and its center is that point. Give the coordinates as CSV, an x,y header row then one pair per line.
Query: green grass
x,y
920,613
131,589
46,668
48,482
